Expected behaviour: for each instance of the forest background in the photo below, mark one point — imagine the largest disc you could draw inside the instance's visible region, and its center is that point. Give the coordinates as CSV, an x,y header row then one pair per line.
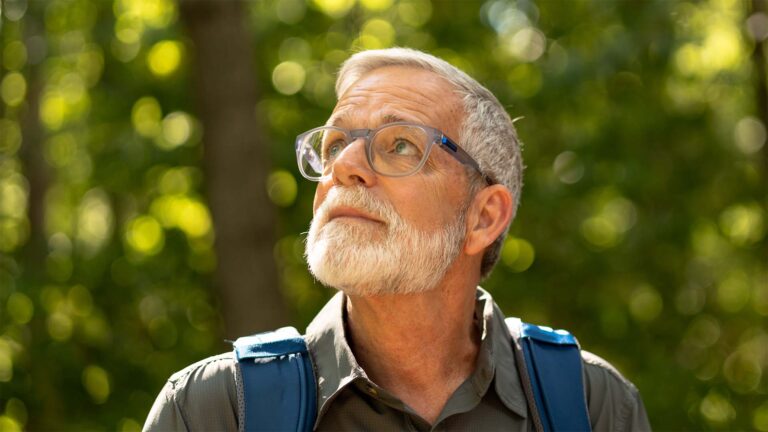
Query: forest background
x,y
150,204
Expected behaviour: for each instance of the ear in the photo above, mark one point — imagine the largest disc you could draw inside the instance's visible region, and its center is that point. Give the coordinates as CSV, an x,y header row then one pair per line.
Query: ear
x,y
489,215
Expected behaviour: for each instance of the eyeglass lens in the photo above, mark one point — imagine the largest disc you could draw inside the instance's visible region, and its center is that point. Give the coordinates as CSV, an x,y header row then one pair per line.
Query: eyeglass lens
x,y
394,150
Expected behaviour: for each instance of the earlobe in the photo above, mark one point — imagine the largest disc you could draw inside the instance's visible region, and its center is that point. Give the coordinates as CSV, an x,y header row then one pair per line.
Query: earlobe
x,y
491,213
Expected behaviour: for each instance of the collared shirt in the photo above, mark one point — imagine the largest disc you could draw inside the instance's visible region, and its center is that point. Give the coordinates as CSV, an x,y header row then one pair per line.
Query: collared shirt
x,y
204,396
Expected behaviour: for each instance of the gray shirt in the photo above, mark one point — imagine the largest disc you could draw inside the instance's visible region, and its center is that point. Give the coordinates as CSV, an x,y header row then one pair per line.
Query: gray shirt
x,y
205,396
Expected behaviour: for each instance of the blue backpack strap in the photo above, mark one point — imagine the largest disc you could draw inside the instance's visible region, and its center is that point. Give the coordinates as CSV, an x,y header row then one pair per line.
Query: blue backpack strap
x,y
553,367
278,382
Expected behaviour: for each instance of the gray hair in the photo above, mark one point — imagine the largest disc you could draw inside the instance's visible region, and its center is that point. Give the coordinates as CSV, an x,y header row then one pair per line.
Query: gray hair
x,y
487,132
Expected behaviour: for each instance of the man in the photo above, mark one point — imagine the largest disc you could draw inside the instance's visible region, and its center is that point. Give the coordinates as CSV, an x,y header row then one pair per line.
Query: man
x,y
419,176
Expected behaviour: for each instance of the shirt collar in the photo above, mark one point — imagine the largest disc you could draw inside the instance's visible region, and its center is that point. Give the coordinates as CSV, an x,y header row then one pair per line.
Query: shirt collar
x,y
507,382
336,367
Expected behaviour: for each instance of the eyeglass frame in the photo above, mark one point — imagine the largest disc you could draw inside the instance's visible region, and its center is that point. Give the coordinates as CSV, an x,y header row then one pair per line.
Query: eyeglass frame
x,y
434,136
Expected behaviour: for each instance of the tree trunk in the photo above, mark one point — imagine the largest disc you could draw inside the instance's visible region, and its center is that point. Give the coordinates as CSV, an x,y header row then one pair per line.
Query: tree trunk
x,y
236,166
761,85
35,167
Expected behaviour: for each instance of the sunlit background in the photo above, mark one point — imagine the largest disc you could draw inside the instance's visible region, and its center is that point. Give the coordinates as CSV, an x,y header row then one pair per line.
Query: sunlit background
x,y
642,227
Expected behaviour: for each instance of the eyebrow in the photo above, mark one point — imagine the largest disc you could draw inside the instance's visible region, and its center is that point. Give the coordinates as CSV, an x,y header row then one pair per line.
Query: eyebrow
x,y
345,118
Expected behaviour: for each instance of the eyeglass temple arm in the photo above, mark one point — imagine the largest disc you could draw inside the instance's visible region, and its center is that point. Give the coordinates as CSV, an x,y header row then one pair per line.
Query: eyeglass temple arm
x,y
462,156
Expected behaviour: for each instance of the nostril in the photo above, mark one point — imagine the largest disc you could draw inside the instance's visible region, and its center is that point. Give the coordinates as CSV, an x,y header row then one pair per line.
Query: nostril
x,y
341,178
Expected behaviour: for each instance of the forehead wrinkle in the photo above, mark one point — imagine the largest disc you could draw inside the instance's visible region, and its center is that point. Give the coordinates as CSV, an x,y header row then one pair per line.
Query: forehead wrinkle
x,y
420,97
347,117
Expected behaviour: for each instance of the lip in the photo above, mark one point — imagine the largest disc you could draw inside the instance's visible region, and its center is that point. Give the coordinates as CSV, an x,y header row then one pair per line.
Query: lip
x,y
352,213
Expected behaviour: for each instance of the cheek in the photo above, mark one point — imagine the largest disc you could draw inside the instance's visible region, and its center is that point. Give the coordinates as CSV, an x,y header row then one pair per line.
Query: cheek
x,y
428,204
320,193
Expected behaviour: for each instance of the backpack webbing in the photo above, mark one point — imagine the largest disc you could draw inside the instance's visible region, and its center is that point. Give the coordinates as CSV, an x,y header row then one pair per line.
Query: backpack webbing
x,y
279,385
551,371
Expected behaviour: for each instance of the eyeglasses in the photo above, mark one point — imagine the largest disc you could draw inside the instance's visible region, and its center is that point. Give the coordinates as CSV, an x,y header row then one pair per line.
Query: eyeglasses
x,y
394,149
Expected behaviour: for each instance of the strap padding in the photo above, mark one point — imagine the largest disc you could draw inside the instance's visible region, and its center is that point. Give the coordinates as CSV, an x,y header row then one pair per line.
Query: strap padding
x,y
279,385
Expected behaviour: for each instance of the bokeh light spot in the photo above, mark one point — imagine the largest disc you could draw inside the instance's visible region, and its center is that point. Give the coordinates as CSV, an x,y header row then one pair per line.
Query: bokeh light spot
x,y
129,29
177,128
282,188
716,408
703,332
295,49
645,303
145,116
290,11
288,77
518,254
9,424
194,219
377,33
13,198
154,13
129,425
749,135
183,212
6,361
568,168
599,232
14,10
16,410
743,224
733,291
10,137
80,301
13,89
59,326
96,383
53,109
20,308
176,181
415,13
742,371
164,58
760,417
145,235
13,233
376,5
95,222
334,8
14,55
527,44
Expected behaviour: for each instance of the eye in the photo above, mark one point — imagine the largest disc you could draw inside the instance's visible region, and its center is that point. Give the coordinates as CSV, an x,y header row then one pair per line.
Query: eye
x,y
334,149
404,147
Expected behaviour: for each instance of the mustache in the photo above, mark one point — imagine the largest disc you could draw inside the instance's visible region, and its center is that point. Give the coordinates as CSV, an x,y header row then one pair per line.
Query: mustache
x,y
357,197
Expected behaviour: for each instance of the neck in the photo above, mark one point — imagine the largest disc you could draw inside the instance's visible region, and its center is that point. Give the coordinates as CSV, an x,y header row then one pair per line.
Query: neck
x,y
420,347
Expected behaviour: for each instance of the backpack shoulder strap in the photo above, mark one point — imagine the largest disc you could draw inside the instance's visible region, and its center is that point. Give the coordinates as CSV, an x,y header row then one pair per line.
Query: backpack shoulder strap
x,y
551,371
278,382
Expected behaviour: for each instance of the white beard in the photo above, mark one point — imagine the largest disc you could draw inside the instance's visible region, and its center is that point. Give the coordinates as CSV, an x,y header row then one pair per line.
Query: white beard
x,y
367,259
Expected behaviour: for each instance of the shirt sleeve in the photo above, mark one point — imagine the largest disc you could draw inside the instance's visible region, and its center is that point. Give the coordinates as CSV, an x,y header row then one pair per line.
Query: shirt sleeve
x,y
202,396
614,403
165,414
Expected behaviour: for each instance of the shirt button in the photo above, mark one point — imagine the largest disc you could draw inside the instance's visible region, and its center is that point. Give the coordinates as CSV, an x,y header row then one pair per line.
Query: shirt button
x,y
372,391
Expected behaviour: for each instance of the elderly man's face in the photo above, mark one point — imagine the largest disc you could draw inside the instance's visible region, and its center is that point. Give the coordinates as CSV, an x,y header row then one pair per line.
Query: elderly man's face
x,y
428,197
373,226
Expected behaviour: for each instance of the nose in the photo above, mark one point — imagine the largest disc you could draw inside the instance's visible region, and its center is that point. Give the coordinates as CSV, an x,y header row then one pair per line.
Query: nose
x,y
351,166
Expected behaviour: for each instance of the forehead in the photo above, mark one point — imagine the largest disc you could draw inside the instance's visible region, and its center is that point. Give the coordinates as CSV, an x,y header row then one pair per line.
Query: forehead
x,y
399,93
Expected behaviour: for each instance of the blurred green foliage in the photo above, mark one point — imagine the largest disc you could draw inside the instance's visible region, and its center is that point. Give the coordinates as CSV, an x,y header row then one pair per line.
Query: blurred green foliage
x,y
642,227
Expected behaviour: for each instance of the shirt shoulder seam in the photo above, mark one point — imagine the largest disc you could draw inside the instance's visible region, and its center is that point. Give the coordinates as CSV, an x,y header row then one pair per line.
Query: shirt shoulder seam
x,y
629,392
177,378
593,361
